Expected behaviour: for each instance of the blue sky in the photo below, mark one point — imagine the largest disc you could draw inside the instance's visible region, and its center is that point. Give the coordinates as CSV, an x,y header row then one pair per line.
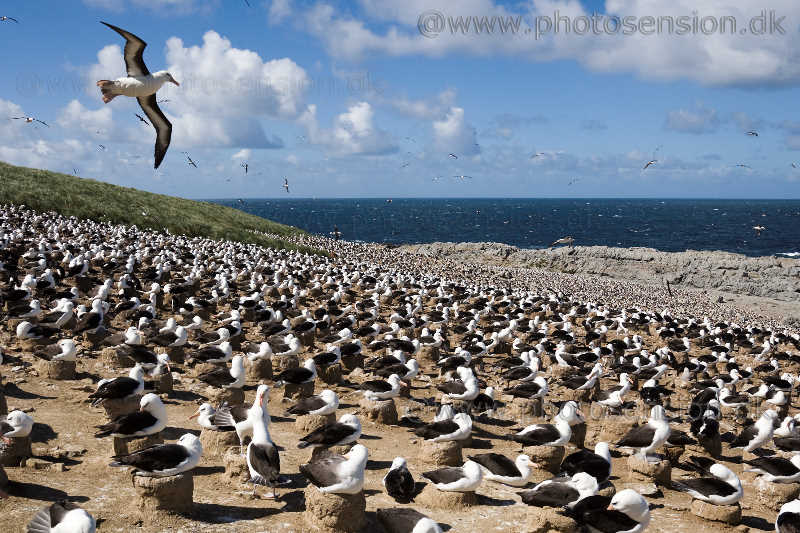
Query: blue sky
x,y
349,99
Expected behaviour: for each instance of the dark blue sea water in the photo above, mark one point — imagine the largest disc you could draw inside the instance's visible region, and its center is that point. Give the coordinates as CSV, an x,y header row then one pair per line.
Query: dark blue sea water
x,y
669,225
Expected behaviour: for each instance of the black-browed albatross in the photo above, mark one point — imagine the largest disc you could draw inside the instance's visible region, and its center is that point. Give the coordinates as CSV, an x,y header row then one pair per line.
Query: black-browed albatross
x,y
142,85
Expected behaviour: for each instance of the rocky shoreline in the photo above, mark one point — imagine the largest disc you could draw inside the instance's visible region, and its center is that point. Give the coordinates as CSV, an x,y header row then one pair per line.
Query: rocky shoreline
x,y
770,283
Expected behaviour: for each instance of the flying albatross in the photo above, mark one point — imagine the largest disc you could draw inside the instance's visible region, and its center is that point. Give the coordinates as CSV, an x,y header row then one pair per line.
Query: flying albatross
x,y
142,85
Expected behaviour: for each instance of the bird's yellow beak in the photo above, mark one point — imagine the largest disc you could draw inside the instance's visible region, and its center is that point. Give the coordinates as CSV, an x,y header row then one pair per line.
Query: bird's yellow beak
x,y
195,415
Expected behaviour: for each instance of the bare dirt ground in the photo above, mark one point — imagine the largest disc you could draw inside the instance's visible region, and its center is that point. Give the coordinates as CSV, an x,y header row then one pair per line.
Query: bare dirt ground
x,y
65,421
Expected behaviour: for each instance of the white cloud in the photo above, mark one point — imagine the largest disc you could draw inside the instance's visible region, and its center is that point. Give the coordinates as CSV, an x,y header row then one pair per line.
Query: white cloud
x,y
77,117
353,132
731,58
698,121
161,6
453,134
279,10
242,155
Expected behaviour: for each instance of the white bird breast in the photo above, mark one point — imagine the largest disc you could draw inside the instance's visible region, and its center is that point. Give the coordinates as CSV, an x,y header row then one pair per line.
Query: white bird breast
x,y
136,86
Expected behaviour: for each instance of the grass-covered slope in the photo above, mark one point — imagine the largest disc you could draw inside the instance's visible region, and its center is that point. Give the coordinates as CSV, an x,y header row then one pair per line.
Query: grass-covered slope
x,y
43,190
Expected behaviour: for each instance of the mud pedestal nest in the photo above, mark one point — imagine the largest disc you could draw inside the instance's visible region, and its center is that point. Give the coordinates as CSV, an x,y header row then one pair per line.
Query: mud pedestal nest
x,y
259,369
307,423
57,370
728,514
230,396
547,457
447,453
655,469
167,495
330,374
216,443
447,500
335,513
297,392
774,495
548,520
381,411
125,446
115,408
17,451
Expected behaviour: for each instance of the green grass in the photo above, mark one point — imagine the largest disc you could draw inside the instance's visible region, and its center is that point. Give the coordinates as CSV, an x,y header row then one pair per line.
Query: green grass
x,y
43,190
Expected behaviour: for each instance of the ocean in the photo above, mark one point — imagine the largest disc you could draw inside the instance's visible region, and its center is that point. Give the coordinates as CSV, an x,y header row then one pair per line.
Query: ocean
x,y
668,225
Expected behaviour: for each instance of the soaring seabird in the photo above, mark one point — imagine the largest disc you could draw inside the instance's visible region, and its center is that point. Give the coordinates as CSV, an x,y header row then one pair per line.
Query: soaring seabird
x,y
465,478
30,120
724,488
62,517
345,431
286,185
338,474
650,163
503,470
561,492
648,437
120,388
163,460
399,482
148,420
5,19
143,86
324,403
628,512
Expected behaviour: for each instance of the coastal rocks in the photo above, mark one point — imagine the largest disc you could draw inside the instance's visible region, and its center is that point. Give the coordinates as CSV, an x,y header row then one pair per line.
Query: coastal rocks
x,y
334,513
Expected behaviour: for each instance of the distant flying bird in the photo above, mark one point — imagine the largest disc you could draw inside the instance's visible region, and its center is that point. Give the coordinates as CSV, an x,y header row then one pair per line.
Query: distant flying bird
x,y
240,201
454,156
6,19
245,166
537,154
142,85
573,180
759,229
248,3
410,139
437,178
752,133
653,162
75,171
462,177
29,120
794,166
564,240
140,117
744,166
164,101
101,146
190,161
404,165
286,185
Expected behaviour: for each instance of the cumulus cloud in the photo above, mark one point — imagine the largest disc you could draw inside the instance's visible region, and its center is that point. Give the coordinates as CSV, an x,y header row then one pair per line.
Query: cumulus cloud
x,y
454,134
732,57
698,121
242,155
77,117
353,132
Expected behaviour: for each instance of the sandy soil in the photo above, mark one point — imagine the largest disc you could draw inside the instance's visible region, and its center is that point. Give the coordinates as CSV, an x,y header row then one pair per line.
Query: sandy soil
x,y
65,420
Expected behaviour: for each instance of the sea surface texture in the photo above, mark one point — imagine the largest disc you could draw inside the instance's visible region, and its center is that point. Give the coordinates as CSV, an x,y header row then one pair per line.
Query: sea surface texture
x,y
667,225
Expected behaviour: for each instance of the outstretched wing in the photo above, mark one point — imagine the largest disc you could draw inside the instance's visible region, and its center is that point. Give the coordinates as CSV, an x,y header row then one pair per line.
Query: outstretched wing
x,y
160,122
134,48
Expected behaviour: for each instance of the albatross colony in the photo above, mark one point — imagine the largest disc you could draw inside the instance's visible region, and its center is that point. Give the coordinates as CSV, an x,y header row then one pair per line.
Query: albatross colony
x,y
388,308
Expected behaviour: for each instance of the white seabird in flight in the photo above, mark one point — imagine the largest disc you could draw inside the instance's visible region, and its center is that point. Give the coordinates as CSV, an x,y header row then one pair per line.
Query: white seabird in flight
x,y
142,85
29,120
